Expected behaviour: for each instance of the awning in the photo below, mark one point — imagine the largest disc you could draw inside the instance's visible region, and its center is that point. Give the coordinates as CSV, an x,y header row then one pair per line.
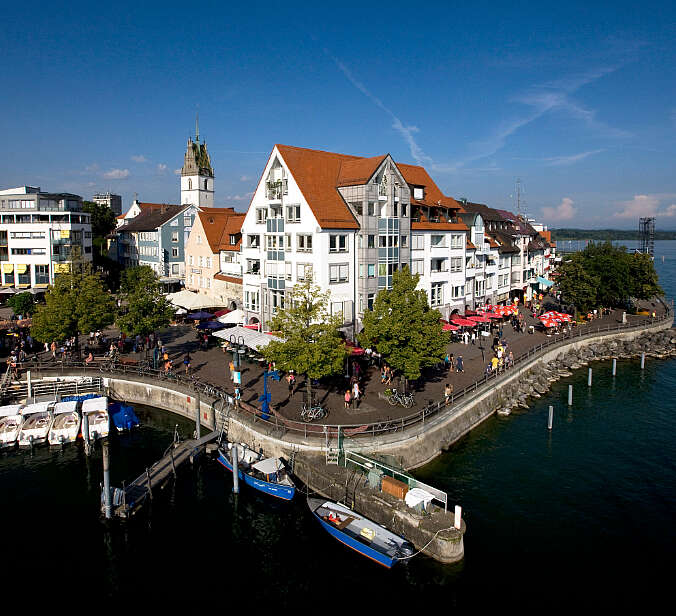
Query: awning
x,y
235,316
7,268
21,268
61,268
193,301
544,282
250,338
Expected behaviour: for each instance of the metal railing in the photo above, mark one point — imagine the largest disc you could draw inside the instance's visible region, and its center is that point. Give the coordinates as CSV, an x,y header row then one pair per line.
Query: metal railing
x,y
279,424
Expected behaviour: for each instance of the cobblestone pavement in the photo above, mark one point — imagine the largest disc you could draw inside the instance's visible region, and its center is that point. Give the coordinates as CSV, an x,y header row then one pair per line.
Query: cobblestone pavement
x,y
211,365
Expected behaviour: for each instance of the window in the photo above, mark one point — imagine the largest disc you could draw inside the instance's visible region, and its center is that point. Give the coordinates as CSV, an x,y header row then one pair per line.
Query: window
x,y
337,309
437,294
303,271
208,261
254,241
371,208
189,184
174,236
457,240
261,215
304,243
417,242
371,270
337,243
42,274
174,252
417,193
404,241
191,260
233,239
395,213
371,241
361,270
275,242
456,264
174,223
358,207
404,210
251,300
438,241
418,267
293,213
276,300
459,291
438,265
206,184
369,300
253,267
287,242
199,238
338,273
25,278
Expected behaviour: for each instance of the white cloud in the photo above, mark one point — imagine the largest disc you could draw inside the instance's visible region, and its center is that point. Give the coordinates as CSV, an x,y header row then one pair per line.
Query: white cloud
x,y
244,197
116,174
245,178
139,158
559,161
646,205
161,168
563,211
92,168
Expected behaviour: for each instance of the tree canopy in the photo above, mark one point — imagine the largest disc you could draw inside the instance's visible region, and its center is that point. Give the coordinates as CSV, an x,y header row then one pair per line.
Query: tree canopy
x,y
102,218
22,303
312,345
76,302
403,328
607,275
147,309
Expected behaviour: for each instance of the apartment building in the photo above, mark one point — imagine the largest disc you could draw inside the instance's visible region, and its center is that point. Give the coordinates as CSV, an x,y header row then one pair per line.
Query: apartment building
x,y
114,202
41,234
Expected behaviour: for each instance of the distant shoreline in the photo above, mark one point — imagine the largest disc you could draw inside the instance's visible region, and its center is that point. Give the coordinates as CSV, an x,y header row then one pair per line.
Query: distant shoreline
x,y
606,234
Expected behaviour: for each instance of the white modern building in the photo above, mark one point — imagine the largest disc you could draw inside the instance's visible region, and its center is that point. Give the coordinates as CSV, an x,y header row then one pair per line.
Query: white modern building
x,y
40,236
114,202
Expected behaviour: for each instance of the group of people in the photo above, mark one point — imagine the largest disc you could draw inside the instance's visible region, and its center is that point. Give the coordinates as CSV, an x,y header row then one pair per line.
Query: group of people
x,y
454,364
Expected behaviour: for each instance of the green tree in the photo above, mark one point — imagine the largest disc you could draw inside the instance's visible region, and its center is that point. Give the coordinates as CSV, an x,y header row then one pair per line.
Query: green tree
x,y
147,309
577,285
22,303
610,266
76,302
403,328
312,345
102,218
643,277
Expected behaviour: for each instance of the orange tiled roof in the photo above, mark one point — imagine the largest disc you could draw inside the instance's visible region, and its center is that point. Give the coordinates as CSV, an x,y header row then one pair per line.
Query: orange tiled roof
x,y
316,172
226,278
418,176
359,171
214,221
233,226
470,246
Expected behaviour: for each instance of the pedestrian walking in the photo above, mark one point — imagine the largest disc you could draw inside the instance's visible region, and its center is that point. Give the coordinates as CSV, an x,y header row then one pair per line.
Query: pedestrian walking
x,y
291,380
348,399
356,392
461,368
238,396
448,393
187,363
473,338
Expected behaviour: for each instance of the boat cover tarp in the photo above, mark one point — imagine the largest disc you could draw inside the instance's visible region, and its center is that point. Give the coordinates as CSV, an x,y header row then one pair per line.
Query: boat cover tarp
x,y
38,407
65,407
12,409
415,496
95,404
269,466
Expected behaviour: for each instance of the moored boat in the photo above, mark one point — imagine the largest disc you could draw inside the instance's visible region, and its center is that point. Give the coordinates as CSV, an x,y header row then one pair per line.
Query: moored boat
x,y
11,421
359,533
38,420
98,419
66,426
123,416
267,475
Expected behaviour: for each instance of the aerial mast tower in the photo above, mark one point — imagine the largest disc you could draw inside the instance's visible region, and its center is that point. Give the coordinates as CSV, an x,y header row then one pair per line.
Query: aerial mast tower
x,y
646,230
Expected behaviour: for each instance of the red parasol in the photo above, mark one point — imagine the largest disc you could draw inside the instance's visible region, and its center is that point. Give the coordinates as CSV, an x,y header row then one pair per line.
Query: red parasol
x,y
450,328
479,319
463,322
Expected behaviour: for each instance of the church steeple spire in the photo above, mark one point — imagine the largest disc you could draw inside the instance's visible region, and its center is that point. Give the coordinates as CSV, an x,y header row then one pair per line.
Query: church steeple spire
x,y
197,126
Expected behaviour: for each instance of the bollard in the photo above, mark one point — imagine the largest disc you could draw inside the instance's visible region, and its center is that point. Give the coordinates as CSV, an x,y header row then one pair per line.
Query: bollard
x,y
198,426
235,469
642,361
458,517
106,481
551,418
614,366
570,395
589,378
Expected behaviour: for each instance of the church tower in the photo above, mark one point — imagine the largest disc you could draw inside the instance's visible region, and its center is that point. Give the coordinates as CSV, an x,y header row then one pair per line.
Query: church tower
x,y
197,175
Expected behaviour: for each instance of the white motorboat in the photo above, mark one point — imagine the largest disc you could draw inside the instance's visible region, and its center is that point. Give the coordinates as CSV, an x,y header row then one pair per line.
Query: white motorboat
x,y
38,420
11,421
66,425
98,419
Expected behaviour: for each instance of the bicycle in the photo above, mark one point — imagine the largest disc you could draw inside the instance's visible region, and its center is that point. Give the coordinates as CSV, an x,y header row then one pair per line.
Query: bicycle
x,y
406,400
310,413
108,365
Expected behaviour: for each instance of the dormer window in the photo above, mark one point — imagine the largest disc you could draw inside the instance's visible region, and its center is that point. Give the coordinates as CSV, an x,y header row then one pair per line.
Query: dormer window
x,y
418,193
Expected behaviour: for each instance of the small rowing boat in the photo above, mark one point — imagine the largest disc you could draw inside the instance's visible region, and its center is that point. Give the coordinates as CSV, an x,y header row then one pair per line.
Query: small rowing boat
x,y
38,420
98,420
267,475
11,421
359,533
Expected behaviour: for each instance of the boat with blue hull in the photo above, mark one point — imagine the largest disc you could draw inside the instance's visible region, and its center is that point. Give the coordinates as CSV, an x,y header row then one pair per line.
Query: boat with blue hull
x,y
359,533
267,475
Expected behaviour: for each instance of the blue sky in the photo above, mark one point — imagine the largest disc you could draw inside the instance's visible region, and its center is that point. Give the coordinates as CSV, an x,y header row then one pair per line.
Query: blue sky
x,y
578,101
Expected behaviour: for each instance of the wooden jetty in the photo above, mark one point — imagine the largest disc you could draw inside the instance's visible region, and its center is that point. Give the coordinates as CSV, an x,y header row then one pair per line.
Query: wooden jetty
x,y
131,498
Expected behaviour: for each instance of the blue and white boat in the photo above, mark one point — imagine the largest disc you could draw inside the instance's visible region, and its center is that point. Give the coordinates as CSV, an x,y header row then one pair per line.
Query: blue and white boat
x,y
267,475
360,533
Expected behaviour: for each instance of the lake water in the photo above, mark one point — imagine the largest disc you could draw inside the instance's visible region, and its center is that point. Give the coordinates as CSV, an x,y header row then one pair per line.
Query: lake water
x,y
580,517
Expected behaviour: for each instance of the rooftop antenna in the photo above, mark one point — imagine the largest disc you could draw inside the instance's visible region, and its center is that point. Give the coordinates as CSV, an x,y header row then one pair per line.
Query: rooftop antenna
x,y
197,124
520,201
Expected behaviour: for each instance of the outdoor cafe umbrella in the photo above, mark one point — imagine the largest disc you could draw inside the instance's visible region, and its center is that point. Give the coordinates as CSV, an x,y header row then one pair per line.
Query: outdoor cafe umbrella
x,y
447,327
479,319
211,325
200,315
463,322
221,313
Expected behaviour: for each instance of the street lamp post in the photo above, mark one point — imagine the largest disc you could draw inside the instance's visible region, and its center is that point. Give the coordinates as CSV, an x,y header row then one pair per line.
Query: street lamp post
x,y
237,349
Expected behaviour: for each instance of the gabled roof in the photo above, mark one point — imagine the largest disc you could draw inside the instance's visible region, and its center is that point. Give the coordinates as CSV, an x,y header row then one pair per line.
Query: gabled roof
x,y
358,171
487,213
151,219
214,221
418,176
233,226
316,172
